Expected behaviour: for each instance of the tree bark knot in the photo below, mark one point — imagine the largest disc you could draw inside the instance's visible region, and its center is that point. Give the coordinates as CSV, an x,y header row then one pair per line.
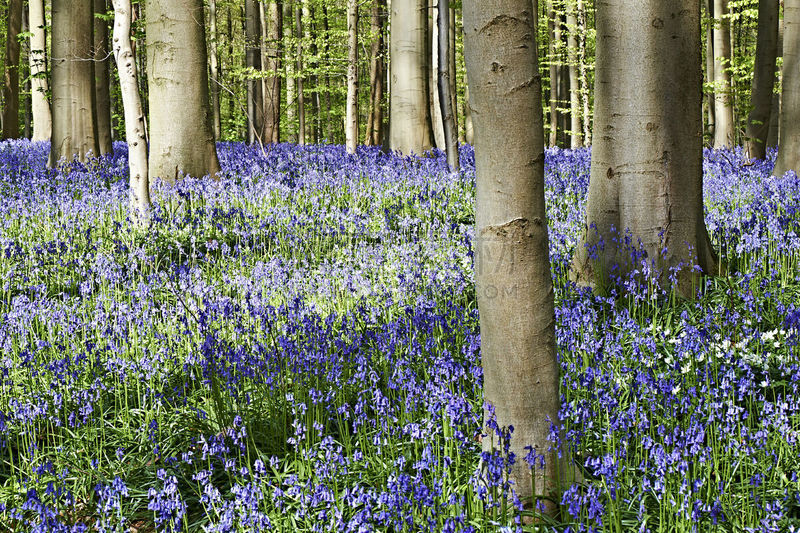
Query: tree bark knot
x,y
507,20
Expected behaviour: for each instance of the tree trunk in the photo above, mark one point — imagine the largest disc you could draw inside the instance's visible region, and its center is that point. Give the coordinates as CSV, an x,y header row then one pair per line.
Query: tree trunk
x,y
42,122
135,128
552,42
710,99
255,99
177,63
647,161
102,78
72,73
575,140
213,65
789,129
469,128
11,85
26,87
291,81
451,61
272,90
351,120
445,98
376,76
433,75
512,269
301,100
409,128
584,77
723,101
775,114
763,79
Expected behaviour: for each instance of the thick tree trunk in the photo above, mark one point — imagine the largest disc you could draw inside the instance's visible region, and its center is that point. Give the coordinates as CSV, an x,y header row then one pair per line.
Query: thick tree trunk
x,y
763,79
376,76
575,136
646,175
135,128
213,66
433,75
789,129
102,78
42,121
272,81
723,101
72,73
301,99
255,100
445,98
351,120
177,62
512,269
409,123
11,80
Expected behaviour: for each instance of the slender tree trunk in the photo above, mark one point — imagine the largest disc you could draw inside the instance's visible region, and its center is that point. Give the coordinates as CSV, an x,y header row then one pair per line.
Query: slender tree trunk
x,y
135,128
213,65
301,100
255,109
42,122
445,98
584,77
775,114
512,270
763,79
647,162
351,120
102,78
177,61
26,87
326,57
723,101
272,91
789,130
11,84
72,72
291,80
376,75
710,98
433,70
409,120
552,41
574,85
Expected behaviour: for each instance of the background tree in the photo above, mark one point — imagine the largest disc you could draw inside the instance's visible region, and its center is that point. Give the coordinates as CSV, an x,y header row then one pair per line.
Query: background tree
x,y
512,267
646,173
789,130
102,76
763,79
11,81
178,87
351,129
40,106
445,97
723,91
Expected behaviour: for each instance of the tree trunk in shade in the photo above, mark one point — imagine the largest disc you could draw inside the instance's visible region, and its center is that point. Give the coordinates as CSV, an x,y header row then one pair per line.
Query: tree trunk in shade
x,y
11,79
433,75
409,123
775,114
723,97
42,121
575,135
445,98
213,67
272,81
255,100
178,80
135,128
376,76
291,77
102,78
351,120
647,159
301,98
72,74
789,129
710,99
552,21
763,79
512,267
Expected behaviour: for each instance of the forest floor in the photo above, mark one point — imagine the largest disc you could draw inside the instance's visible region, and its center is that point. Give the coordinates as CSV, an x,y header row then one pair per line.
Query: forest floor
x,y
296,348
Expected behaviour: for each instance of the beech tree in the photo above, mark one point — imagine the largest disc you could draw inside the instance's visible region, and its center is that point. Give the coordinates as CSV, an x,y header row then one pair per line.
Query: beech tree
x,y
444,86
351,120
789,129
723,91
376,76
646,170
512,265
40,107
11,82
102,78
763,79
181,139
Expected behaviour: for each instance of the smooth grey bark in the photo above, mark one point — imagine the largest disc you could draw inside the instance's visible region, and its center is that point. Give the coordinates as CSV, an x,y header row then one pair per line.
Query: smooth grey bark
x,y
10,120
409,130
72,74
575,134
213,67
376,75
775,114
135,128
445,98
469,127
272,79
178,81
646,170
433,70
710,65
451,57
789,129
723,91
102,77
554,71
40,106
351,119
255,99
763,79
512,268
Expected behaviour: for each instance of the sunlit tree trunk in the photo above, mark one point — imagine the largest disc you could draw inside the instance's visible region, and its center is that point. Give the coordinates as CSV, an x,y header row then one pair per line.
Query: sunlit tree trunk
x,y
512,267
575,136
582,71
72,74
445,98
351,120
11,80
409,123
646,173
301,98
40,106
775,114
376,75
213,66
710,99
723,96
135,128
272,81
181,139
789,130
433,75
